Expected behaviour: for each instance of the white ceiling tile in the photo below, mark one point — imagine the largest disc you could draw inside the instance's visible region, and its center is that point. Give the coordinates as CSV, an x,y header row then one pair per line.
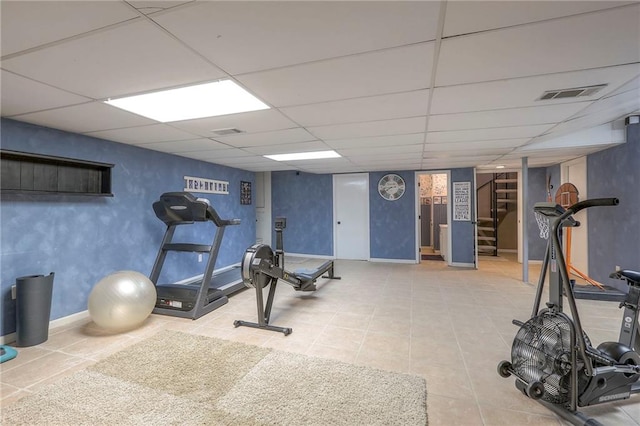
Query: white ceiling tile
x,y
487,134
591,40
505,117
288,148
616,105
380,150
465,17
115,62
399,105
20,95
217,154
55,20
152,6
364,143
82,118
370,128
143,134
353,76
241,37
384,157
249,122
285,136
176,147
524,92
465,146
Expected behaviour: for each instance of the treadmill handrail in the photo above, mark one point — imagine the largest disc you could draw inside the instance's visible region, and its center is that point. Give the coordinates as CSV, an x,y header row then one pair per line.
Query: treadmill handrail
x,y
176,208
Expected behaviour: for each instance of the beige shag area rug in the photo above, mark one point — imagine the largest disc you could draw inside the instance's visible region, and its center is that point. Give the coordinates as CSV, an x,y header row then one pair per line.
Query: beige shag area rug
x,y
183,379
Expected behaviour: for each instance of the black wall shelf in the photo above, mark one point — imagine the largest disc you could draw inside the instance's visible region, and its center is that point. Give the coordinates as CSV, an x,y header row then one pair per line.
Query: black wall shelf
x,y
25,173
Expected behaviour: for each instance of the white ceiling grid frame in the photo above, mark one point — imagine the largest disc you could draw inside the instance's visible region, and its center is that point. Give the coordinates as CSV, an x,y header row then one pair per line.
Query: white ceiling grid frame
x,y
144,134
56,21
595,40
243,37
373,75
393,70
130,51
21,95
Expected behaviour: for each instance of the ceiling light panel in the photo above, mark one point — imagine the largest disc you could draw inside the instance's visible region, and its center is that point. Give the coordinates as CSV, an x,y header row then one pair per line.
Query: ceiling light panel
x,y
286,148
187,103
297,156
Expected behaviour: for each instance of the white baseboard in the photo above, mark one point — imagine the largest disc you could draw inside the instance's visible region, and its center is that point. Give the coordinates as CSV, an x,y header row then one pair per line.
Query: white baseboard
x,y
310,256
199,277
8,338
69,319
462,265
379,259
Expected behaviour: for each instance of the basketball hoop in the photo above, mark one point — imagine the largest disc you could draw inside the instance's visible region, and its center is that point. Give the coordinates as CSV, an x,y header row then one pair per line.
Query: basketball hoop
x,y
543,224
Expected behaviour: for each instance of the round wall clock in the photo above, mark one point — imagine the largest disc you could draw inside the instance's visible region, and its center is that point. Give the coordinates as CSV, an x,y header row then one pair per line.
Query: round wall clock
x,y
391,187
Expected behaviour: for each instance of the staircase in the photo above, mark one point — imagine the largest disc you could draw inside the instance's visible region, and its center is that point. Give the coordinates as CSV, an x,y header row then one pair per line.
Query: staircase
x,y
497,195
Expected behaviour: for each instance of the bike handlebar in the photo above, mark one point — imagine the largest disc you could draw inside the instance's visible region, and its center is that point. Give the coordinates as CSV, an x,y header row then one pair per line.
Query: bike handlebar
x,y
595,202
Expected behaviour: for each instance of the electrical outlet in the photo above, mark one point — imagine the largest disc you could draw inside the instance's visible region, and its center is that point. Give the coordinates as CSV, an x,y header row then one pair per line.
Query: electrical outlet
x,y
200,258
618,268
13,292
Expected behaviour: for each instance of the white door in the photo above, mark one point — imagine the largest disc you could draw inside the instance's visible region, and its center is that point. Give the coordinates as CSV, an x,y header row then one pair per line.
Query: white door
x,y
575,172
351,216
263,208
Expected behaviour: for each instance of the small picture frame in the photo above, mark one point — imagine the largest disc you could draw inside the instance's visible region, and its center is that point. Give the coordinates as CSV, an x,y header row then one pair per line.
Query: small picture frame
x,y
437,200
444,199
245,193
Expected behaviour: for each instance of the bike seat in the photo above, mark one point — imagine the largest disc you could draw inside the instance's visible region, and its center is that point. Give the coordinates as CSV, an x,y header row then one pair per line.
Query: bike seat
x,y
632,277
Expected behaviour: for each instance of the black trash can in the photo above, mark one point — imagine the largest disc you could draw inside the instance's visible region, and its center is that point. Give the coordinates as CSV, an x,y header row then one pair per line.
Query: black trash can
x,y
33,309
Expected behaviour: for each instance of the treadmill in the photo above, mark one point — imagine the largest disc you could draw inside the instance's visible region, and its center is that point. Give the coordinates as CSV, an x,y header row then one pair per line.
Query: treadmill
x,y
199,297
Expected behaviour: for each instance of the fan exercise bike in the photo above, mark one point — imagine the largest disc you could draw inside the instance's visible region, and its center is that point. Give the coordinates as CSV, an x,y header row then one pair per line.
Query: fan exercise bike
x,y
552,357
262,267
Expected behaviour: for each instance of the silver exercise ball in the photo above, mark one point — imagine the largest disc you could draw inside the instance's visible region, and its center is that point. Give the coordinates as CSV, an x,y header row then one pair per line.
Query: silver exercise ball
x,y
122,300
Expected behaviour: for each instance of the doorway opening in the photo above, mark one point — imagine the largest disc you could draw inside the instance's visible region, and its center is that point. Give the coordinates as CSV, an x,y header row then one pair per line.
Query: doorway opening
x,y
497,195
433,232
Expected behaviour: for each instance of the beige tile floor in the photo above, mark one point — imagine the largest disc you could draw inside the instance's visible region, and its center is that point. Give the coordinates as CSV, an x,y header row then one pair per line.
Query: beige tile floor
x,y
449,325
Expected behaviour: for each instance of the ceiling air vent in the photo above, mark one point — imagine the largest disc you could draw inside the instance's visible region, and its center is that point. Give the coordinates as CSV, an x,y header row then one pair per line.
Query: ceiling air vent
x,y
226,132
574,92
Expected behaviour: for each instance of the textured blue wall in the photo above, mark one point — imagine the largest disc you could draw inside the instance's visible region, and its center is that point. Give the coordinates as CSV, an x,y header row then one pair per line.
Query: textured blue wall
x,y
306,200
392,223
614,232
462,232
84,238
537,193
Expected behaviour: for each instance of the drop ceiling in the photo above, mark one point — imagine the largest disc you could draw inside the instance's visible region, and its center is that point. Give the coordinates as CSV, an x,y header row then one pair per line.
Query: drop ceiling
x,y
389,85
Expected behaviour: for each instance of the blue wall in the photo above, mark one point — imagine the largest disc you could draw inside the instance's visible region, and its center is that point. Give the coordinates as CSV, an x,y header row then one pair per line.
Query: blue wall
x,y
84,238
614,232
392,223
306,200
462,232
